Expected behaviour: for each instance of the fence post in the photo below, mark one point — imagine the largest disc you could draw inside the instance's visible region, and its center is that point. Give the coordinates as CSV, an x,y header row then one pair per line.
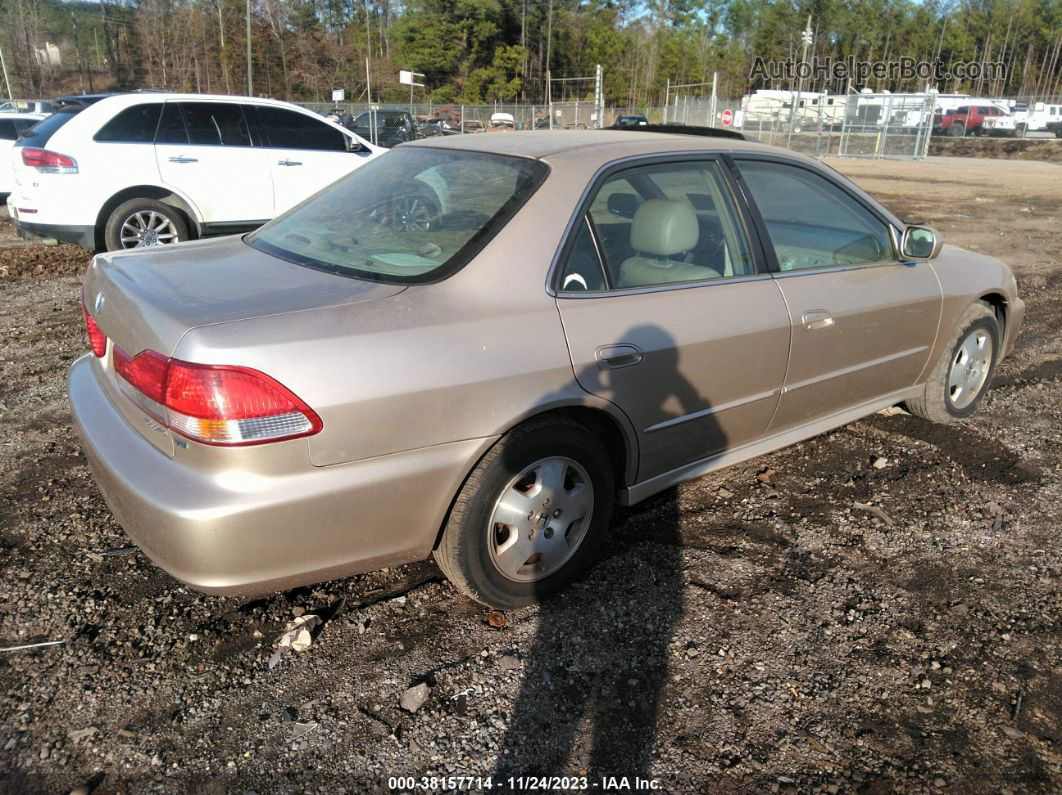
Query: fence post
x,y
462,119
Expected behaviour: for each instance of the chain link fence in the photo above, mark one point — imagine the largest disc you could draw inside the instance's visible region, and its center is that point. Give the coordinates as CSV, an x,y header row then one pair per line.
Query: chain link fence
x,y
854,125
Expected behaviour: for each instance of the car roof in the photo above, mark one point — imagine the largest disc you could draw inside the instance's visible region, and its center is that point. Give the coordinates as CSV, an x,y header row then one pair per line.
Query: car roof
x,y
138,97
14,114
602,145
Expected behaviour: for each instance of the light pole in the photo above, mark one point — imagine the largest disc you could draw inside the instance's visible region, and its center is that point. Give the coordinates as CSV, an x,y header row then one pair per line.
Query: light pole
x,y
6,81
806,37
250,78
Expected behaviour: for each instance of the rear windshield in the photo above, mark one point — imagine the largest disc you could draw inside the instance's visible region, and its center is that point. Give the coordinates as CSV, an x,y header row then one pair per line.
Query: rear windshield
x,y
412,215
39,133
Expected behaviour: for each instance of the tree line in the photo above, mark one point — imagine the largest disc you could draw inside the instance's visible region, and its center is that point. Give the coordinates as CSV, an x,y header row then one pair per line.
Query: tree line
x,y
485,51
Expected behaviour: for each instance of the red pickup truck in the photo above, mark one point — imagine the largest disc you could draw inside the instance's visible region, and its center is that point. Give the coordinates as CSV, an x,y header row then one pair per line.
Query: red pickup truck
x,y
964,120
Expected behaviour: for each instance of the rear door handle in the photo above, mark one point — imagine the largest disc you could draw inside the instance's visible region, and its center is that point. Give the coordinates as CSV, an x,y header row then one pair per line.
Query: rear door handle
x,y
612,357
288,163
817,319
184,159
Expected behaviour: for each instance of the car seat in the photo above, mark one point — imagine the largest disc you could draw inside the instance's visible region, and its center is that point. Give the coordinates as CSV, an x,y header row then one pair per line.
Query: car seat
x,y
662,233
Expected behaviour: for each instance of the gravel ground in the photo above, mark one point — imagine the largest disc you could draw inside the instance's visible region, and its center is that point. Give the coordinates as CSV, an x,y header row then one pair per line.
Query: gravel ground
x,y
874,610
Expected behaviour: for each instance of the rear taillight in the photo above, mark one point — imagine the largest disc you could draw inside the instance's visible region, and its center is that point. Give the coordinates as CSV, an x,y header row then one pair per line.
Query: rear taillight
x,y
48,162
97,339
216,404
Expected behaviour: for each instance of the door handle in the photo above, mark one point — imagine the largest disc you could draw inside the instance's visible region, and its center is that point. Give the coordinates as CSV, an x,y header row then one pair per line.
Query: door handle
x,y
817,319
288,163
612,357
184,160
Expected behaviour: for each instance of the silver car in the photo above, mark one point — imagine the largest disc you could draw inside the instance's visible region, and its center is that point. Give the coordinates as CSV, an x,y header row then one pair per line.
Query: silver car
x,y
473,347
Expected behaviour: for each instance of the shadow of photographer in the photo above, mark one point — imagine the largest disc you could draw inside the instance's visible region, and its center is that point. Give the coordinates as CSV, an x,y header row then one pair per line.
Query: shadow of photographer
x,y
597,671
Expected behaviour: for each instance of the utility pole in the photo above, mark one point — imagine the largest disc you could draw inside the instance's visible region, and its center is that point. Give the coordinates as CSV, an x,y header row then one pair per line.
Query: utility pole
x,y
712,108
806,37
667,99
599,97
250,76
549,44
7,82
77,46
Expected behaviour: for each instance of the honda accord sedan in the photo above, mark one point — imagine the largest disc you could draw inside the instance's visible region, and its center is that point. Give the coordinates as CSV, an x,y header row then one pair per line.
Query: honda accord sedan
x,y
473,347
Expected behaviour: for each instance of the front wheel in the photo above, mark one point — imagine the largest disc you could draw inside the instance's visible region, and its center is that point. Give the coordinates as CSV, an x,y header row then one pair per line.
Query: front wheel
x,y
961,377
140,223
528,518
957,129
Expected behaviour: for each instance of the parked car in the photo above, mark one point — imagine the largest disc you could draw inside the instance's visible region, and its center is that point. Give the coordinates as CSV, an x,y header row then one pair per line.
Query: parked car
x,y
965,119
386,127
630,121
502,122
438,126
12,125
38,107
472,347
144,169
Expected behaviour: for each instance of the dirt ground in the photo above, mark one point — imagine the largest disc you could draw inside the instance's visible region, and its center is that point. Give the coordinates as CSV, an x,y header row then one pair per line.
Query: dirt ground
x,y
874,610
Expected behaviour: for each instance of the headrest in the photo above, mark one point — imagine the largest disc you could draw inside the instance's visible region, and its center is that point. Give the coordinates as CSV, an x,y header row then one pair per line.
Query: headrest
x,y
664,228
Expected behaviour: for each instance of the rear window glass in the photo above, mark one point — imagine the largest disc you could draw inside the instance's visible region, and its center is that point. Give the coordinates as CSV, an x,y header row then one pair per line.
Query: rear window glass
x,y
42,131
135,125
412,215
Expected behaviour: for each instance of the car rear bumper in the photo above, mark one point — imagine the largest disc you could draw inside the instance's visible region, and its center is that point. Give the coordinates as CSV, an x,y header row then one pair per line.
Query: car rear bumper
x,y
237,532
84,236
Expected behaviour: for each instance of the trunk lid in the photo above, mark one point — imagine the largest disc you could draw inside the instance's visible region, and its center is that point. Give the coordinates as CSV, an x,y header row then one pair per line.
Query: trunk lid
x,y
151,299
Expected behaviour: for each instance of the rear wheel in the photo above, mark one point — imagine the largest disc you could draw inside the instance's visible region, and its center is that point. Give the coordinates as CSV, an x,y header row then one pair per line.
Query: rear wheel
x,y
528,518
961,377
140,223
1019,131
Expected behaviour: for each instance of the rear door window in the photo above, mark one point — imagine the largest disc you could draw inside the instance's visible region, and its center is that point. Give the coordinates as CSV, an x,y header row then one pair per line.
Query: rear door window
x,y
215,124
135,125
7,130
286,129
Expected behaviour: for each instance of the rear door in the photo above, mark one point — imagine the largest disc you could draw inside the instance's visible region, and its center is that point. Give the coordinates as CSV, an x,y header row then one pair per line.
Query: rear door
x,y
206,151
667,315
863,322
305,153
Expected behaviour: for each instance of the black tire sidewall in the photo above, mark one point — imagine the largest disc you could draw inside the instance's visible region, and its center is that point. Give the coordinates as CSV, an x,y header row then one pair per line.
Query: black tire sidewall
x,y
111,233
473,555
990,325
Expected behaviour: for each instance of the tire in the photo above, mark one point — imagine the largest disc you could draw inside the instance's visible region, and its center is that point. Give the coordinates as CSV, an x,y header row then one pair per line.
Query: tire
x,y
162,225
1019,131
475,546
957,129
949,396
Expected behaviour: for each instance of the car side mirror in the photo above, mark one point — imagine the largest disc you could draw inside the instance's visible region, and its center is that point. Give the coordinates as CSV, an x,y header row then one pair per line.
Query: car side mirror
x,y
921,242
624,205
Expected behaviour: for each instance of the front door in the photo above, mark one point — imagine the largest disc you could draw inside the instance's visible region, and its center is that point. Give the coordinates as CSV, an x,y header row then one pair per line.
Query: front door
x,y
667,316
863,321
305,154
205,151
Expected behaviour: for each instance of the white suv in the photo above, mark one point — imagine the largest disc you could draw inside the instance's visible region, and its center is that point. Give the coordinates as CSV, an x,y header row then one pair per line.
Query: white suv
x,y
145,169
